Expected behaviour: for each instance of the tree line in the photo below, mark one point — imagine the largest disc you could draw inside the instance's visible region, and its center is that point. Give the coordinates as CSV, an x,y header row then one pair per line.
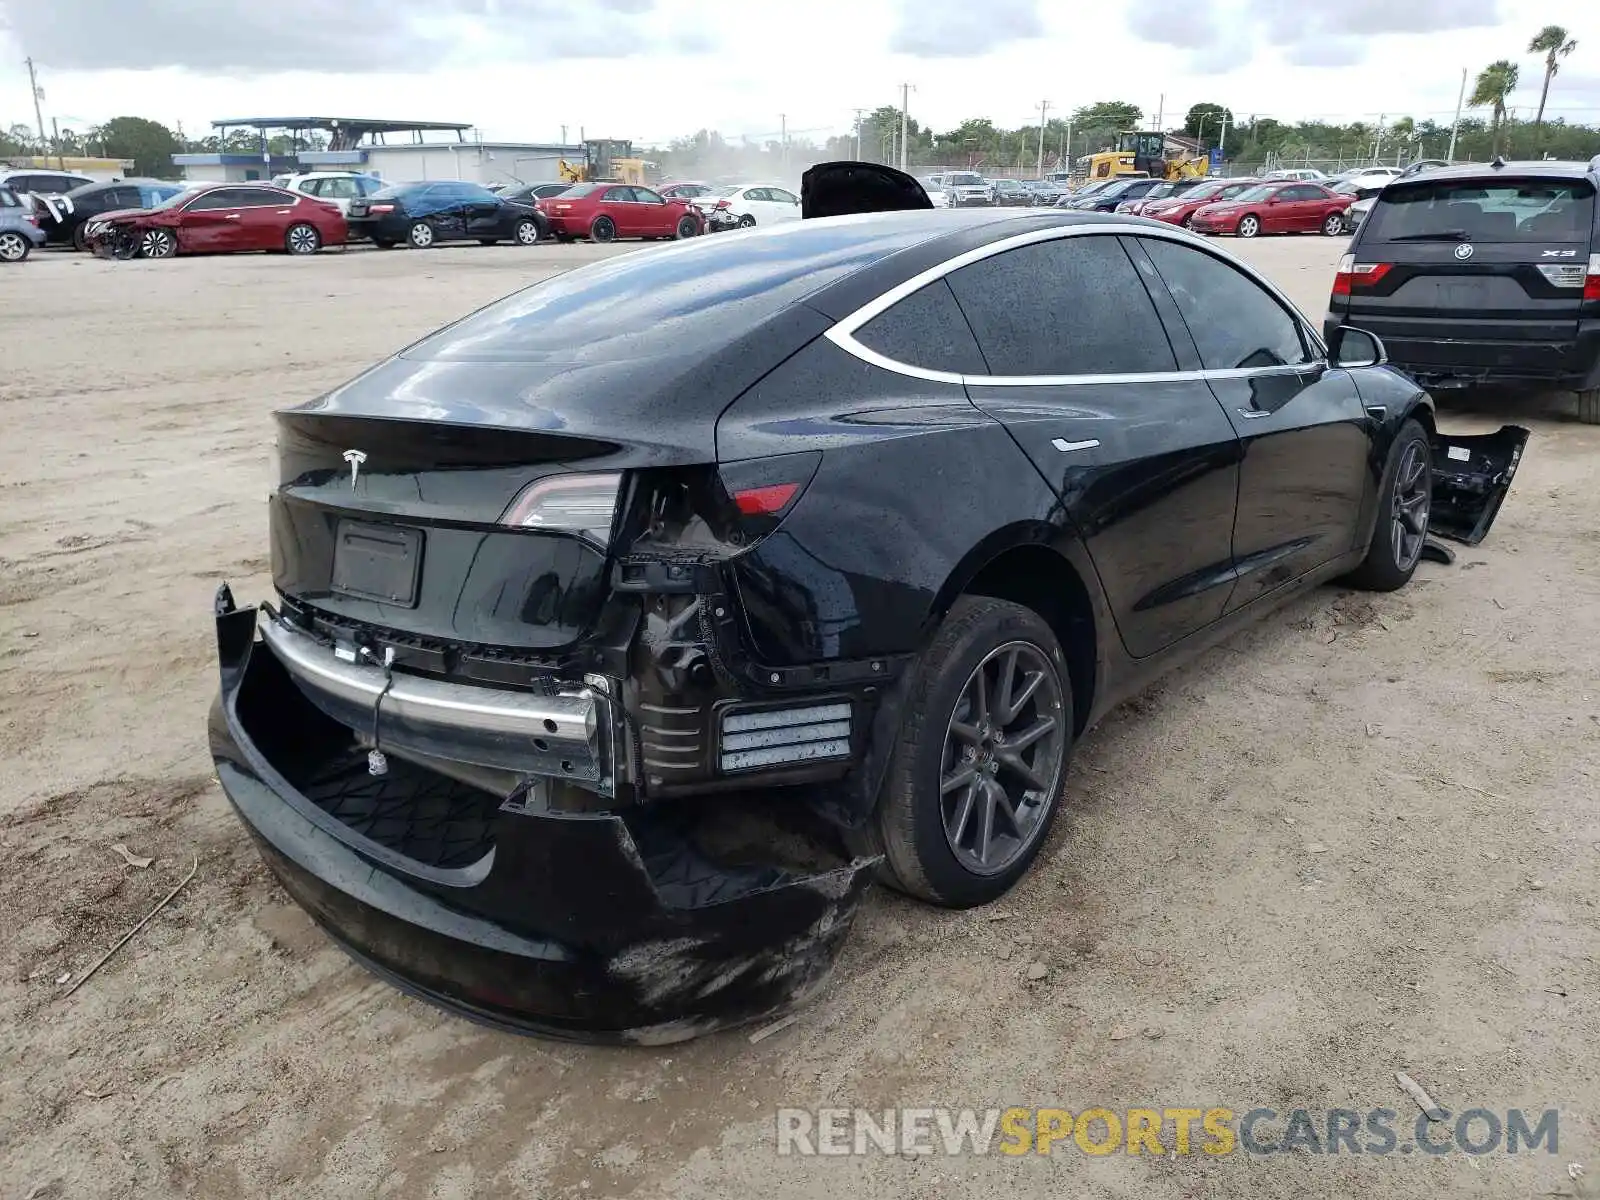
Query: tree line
x,y
149,144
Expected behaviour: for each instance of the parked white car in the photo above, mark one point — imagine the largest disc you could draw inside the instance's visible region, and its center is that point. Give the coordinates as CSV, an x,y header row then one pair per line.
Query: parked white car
x,y
752,204
334,187
934,186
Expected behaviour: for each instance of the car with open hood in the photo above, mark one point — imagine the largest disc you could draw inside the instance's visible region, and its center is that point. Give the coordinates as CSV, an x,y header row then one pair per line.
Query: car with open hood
x,y
585,604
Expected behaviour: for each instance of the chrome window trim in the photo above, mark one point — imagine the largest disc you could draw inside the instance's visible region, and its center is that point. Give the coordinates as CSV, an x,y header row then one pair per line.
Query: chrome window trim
x,y
842,332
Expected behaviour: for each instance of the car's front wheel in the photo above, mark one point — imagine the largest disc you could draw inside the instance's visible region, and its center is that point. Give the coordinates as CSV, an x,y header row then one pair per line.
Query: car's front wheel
x,y
158,243
975,778
688,227
747,222
1248,227
1403,506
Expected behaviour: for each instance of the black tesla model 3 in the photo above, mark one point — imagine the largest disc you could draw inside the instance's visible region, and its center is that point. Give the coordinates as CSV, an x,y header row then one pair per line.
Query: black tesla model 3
x,y
862,520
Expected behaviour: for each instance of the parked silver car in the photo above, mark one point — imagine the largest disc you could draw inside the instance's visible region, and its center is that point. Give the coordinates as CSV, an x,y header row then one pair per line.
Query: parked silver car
x,y
19,227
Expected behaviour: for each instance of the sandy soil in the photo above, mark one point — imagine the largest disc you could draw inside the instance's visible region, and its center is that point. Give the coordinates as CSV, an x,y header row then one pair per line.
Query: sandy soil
x,y
1361,837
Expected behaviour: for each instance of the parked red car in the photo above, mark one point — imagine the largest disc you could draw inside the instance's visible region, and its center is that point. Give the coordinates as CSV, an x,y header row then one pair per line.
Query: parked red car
x,y
220,219
1176,210
608,211
1275,208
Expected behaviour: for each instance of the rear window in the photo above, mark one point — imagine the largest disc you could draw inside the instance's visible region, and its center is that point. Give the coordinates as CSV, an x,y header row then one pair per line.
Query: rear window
x,y
1503,210
579,189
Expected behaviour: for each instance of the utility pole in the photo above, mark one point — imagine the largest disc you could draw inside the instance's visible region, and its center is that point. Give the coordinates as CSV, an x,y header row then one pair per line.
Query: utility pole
x,y
1222,138
1455,125
783,143
858,112
563,135
905,106
1161,111
1377,138
1044,107
33,86
1066,143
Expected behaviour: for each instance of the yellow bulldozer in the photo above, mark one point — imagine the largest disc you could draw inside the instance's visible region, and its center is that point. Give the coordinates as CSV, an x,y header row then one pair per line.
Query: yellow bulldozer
x,y
1139,153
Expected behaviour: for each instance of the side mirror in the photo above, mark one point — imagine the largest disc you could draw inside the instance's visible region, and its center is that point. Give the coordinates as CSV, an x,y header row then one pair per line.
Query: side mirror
x,y
1356,348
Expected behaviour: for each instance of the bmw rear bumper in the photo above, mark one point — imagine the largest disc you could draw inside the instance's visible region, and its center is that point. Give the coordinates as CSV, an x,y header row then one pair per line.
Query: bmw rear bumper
x,y
621,925
1426,352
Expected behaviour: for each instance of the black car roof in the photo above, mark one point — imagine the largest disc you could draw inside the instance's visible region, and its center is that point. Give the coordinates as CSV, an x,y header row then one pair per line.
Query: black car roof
x,y
648,302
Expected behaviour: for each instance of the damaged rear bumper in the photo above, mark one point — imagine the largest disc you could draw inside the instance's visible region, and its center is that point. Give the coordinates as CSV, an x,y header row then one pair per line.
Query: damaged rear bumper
x,y
625,925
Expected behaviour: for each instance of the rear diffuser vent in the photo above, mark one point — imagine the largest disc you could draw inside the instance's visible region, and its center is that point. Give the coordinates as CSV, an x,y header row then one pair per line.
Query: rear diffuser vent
x,y
770,737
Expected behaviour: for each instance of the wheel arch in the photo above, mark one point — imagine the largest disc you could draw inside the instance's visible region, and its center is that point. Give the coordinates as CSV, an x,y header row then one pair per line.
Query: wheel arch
x,y
1029,564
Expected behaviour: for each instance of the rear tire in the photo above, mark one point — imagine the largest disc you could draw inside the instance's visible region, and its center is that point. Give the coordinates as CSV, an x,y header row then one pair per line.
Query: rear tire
x,y
952,777
302,239
1402,523
14,247
1333,224
1248,226
1589,406
488,241
421,235
603,230
383,243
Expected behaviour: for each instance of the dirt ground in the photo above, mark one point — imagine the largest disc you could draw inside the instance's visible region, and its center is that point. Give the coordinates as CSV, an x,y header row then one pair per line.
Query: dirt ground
x,y
1360,838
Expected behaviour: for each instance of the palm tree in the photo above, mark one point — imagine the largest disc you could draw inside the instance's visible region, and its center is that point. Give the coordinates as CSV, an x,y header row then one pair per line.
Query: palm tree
x,y
1552,42
1494,83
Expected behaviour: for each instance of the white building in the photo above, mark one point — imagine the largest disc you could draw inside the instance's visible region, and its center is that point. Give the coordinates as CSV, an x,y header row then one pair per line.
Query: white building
x,y
399,151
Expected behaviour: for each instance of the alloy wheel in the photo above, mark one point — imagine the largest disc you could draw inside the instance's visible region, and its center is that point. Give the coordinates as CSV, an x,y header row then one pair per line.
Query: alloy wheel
x,y
1413,494
1003,753
1249,227
157,243
303,240
1334,225
13,247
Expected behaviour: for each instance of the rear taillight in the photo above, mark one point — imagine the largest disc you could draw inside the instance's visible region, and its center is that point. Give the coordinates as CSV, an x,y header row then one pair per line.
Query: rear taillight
x,y
721,204
1591,282
1353,276
585,505
380,208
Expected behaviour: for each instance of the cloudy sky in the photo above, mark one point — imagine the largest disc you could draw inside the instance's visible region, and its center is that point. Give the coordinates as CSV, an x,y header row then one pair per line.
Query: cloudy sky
x,y
653,69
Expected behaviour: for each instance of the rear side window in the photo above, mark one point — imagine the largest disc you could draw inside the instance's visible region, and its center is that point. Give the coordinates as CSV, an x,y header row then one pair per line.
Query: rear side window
x,y
926,330
1069,306
1492,210
1236,322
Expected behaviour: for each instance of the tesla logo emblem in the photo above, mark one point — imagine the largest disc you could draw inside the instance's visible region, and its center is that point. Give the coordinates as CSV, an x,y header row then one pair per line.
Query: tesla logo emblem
x,y
1464,250
355,458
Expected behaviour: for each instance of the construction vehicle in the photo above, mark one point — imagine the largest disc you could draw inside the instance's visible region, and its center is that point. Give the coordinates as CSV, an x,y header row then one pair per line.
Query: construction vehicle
x,y
1144,153
608,161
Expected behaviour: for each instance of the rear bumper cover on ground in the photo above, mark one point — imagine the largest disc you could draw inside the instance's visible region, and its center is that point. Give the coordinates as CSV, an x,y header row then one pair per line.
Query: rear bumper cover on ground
x,y
594,926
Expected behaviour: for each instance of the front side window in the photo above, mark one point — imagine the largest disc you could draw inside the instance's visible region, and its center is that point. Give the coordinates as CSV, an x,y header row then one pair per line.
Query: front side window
x,y
646,196
1069,306
1235,322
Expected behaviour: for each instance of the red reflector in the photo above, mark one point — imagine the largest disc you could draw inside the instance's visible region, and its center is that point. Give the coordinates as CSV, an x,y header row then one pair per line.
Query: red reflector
x,y
764,501
722,204
382,208
1591,288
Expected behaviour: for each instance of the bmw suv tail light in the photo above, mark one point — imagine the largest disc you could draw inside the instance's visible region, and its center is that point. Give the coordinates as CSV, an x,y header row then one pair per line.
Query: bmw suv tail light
x,y
1353,275
582,504
1591,282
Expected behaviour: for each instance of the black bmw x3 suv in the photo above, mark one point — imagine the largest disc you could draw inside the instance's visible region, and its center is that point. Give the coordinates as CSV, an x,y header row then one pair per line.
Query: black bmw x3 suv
x,y
866,519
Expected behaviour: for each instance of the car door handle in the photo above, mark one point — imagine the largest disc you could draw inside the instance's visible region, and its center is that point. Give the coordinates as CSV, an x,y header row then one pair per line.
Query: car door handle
x,y
1252,414
1067,447
231,217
